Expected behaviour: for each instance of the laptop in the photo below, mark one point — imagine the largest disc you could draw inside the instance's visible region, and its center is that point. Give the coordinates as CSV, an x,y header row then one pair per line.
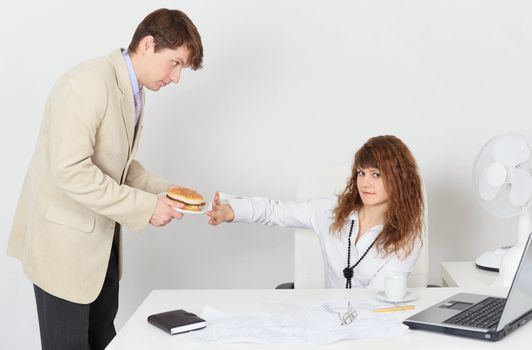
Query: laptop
x,y
481,316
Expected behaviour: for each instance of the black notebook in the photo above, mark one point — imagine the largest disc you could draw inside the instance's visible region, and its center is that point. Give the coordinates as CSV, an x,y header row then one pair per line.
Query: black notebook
x,y
177,321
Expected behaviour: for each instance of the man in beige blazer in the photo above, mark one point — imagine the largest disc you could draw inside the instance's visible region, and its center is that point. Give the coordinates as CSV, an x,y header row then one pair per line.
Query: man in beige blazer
x,y
83,182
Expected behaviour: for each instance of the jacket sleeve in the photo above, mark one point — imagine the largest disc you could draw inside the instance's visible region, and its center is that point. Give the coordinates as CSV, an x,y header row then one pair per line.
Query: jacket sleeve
x,y
77,107
140,178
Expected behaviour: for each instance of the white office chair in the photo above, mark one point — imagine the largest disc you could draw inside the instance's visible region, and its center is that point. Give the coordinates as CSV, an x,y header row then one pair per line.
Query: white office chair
x,y
308,260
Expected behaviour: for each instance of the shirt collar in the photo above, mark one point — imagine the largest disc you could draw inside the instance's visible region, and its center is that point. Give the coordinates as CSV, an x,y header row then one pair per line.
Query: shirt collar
x,y
131,71
354,216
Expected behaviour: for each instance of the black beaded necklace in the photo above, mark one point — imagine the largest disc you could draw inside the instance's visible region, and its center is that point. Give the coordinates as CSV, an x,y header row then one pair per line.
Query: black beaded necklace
x,y
348,271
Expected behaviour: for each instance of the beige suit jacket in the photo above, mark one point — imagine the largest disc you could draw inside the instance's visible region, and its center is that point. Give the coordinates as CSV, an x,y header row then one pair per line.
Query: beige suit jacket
x,y
82,179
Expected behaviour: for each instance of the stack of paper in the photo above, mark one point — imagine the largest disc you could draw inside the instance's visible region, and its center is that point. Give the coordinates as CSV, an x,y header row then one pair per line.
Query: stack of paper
x,y
313,323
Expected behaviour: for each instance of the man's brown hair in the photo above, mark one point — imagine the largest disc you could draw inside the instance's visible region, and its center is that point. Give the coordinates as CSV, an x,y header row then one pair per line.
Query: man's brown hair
x,y
170,29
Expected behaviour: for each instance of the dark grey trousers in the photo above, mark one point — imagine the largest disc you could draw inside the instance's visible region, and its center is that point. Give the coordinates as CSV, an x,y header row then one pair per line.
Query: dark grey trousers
x,y
65,325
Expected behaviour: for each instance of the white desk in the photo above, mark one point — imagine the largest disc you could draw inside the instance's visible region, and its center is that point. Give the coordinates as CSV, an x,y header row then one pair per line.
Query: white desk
x,y
465,274
138,334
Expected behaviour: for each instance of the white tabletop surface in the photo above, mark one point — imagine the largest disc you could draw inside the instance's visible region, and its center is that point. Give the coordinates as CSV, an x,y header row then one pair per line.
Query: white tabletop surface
x,y
138,334
465,274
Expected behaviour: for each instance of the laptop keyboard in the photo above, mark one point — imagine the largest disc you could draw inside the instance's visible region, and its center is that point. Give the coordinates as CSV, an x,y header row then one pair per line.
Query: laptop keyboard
x,y
484,314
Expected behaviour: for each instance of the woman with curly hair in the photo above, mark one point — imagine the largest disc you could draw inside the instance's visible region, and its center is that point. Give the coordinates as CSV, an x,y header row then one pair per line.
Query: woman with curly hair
x,y
369,231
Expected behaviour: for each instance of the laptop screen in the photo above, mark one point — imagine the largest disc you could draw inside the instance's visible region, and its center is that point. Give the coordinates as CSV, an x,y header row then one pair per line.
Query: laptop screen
x,y
519,299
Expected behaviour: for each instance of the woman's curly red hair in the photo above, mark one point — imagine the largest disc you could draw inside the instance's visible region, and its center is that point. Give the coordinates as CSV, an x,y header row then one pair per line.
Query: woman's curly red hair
x,y
404,217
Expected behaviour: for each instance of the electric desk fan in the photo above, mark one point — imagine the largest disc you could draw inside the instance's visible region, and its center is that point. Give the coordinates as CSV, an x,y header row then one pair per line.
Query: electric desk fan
x,y
502,176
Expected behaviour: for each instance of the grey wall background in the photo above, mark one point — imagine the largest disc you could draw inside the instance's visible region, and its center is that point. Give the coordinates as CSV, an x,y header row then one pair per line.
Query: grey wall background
x,y
288,86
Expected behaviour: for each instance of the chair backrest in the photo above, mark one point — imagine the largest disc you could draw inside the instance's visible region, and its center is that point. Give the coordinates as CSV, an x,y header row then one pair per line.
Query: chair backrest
x,y
308,260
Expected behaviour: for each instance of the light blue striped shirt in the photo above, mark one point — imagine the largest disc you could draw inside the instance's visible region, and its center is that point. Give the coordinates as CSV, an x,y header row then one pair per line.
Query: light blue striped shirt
x,y
137,91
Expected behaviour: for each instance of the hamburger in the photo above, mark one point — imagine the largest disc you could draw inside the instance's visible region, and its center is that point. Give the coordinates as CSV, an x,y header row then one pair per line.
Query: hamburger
x,y
191,199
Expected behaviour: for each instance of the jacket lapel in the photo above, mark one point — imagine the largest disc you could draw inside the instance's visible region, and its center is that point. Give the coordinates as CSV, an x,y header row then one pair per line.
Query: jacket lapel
x,y
127,102
138,129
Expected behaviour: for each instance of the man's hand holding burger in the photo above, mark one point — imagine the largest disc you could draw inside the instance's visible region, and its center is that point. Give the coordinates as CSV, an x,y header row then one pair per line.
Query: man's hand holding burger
x,y
164,211
220,212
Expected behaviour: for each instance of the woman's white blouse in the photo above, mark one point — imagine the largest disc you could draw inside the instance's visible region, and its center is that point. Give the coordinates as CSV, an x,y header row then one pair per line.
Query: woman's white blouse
x,y
317,214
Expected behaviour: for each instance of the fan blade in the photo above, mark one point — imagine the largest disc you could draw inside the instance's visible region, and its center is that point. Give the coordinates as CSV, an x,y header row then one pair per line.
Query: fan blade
x,y
496,174
510,151
485,190
521,191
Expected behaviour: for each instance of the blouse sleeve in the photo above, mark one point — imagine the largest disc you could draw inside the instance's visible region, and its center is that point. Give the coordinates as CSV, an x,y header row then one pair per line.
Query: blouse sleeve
x,y
307,214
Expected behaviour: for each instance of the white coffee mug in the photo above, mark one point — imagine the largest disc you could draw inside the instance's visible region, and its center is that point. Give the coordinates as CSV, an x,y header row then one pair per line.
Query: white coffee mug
x,y
395,287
